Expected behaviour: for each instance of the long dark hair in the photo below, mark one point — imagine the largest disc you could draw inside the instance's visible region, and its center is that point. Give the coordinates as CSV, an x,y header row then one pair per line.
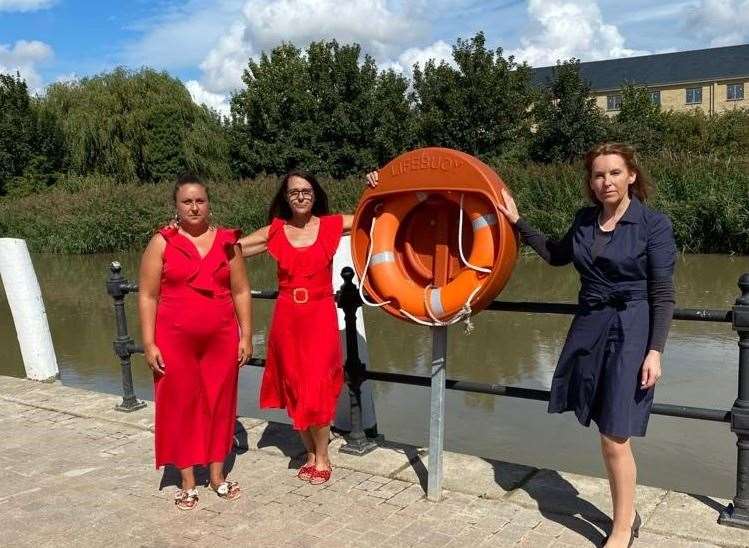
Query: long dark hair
x,y
279,206
642,187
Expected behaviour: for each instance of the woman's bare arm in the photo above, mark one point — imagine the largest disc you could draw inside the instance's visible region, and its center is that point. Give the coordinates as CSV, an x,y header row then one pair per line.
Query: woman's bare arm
x,y
255,243
242,297
149,288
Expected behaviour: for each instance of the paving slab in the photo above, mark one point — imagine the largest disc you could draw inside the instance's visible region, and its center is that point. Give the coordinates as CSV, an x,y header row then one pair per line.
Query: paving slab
x,y
469,474
386,460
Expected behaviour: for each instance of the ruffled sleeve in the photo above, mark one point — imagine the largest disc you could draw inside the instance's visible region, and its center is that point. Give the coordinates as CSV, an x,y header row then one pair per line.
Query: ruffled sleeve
x,y
275,238
331,230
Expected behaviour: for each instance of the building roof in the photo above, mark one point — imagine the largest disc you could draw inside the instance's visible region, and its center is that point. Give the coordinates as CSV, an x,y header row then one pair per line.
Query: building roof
x,y
661,69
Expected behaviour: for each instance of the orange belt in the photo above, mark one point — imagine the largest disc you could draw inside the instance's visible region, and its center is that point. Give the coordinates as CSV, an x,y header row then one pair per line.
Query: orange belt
x,y
301,295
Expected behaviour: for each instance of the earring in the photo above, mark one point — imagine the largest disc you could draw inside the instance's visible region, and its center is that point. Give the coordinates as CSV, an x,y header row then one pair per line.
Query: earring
x,y
176,218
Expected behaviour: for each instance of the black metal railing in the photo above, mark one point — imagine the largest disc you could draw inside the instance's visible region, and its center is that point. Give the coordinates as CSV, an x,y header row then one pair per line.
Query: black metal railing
x,y
348,299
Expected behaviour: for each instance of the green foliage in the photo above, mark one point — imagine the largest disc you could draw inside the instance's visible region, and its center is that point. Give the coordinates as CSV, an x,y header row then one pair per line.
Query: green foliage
x,y
568,121
481,106
639,122
722,135
16,128
327,110
132,126
30,140
706,198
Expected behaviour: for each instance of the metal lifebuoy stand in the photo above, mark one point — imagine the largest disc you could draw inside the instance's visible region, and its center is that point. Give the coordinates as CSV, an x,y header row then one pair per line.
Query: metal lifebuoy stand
x,y
409,233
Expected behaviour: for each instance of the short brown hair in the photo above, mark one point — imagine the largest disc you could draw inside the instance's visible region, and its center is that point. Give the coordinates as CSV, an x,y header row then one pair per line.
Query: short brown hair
x,y
188,179
642,187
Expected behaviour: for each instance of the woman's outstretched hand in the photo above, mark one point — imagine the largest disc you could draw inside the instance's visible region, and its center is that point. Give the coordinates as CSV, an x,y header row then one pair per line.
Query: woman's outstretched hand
x,y
509,209
373,177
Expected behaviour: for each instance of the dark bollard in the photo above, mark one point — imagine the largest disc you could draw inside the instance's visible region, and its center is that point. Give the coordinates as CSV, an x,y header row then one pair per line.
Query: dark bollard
x,y
124,346
737,514
357,442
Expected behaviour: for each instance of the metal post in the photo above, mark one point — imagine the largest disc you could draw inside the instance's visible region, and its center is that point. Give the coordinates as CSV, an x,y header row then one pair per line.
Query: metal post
x,y
124,346
737,514
357,442
437,412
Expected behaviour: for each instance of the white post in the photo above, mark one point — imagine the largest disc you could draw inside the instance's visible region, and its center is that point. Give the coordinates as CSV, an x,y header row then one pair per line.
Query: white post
x,y
342,258
27,308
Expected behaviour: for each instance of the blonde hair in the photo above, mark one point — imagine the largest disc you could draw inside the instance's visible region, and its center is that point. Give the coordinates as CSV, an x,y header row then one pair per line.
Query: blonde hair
x,y
642,187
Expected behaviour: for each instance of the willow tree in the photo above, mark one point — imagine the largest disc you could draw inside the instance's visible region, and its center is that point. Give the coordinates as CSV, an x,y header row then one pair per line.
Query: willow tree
x,y
137,126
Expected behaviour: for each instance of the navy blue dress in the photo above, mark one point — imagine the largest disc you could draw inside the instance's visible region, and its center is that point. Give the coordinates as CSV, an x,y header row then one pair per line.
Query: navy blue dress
x,y
598,373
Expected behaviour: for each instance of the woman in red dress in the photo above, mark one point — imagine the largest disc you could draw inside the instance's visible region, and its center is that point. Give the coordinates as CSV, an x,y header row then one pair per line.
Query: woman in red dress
x,y
304,364
194,303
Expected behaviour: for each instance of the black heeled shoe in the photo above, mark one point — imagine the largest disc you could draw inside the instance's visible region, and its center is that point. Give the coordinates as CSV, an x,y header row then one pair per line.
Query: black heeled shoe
x,y
635,533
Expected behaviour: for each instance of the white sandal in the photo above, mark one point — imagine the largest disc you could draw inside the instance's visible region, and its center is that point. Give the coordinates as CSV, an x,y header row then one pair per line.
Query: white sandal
x,y
186,500
228,490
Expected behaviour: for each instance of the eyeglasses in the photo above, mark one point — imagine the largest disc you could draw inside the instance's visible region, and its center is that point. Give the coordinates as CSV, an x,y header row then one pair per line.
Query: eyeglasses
x,y
304,193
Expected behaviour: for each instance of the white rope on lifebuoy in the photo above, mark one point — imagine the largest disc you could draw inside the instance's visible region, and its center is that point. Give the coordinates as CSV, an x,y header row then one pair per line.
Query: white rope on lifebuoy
x,y
460,243
366,267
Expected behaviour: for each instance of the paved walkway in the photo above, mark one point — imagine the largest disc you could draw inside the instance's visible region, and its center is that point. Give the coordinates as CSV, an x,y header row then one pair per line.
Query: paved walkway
x,y
77,473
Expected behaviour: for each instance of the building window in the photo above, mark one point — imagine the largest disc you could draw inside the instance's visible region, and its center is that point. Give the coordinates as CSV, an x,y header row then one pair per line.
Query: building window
x,y
694,96
735,92
655,97
613,102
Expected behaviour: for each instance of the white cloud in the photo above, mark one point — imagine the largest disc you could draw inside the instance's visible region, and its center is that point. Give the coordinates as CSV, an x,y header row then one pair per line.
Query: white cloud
x,y
224,65
25,5
379,28
23,57
382,31
561,29
439,51
216,101
181,37
722,22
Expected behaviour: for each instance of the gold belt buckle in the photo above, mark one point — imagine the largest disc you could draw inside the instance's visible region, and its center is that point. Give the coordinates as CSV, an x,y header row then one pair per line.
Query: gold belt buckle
x,y
297,299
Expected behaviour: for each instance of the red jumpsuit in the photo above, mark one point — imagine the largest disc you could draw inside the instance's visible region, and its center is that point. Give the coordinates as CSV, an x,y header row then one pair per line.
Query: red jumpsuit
x,y
198,335
304,364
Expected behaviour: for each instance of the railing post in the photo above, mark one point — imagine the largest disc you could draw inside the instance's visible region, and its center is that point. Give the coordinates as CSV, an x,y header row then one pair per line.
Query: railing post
x,y
357,442
124,346
737,514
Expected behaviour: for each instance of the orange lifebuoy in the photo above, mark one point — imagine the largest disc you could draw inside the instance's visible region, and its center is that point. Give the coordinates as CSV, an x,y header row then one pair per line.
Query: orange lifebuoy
x,y
404,237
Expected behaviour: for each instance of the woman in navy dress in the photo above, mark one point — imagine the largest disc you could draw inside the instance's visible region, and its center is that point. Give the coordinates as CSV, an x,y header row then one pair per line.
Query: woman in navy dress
x,y
625,254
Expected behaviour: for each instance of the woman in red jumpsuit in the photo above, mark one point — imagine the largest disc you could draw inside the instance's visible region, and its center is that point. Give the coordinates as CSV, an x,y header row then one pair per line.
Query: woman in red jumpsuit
x,y
194,303
304,365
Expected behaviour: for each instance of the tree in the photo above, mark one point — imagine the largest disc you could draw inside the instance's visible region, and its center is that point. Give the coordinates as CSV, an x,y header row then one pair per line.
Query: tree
x,y
480,106
327,109
31,145
133,126
17,129
639,121
568,121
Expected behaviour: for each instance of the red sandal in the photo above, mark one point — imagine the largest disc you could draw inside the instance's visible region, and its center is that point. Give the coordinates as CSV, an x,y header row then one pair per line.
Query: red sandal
x,y
318,477
305,472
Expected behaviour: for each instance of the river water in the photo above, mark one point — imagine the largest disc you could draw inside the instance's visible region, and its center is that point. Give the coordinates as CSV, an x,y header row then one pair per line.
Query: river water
x,y
700,368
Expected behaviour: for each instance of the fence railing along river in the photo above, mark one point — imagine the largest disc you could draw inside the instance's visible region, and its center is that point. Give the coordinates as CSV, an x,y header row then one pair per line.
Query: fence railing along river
x,y
359,443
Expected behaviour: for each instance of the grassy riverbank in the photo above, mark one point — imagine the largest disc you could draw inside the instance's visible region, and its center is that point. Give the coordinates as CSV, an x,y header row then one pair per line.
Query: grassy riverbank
x,y
707,199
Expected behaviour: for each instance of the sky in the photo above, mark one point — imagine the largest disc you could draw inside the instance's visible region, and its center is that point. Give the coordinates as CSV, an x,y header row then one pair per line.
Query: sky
x,y
207,43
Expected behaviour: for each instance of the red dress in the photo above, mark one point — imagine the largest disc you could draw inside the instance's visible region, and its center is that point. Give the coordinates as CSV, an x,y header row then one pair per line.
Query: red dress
x,y
198,335
304,364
